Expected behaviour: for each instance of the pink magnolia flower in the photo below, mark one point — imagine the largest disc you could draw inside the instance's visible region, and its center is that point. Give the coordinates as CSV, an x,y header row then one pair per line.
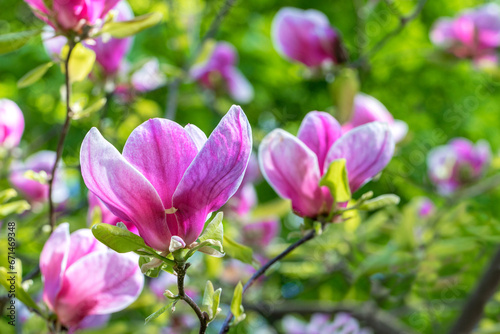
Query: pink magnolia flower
x,y
110,53
168,178
82,278
368,109
261,233
474,34
11,123
66,15
34,191
343,323
220,70
107,217
294,166
457,164
307,37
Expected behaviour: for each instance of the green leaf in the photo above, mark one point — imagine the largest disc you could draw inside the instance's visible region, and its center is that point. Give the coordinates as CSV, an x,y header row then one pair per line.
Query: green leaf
x,y
211,300
343,90
118,239
236,307
214,230
94,107
7,194
124,29
34,75
336,180
238,251
153,272
7,280
15,40
380,202
159,312
16,207
81,62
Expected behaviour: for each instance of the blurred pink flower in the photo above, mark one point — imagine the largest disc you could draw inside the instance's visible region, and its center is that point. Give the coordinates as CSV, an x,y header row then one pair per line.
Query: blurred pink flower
x,y
220,69
457,164
110,53
261,233
107,217
82,278
368,109
34,191
169,178
294,166
65,15
319,323
474,33
11,123
149,77
307,37
425,207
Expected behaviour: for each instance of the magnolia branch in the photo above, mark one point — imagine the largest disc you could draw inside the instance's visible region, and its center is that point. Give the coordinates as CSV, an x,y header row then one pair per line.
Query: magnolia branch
x,y
180,269
62,137
310,235
403,22
173,87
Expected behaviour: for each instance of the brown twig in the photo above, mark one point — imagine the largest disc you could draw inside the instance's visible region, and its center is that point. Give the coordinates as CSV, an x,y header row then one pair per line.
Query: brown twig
x,y
62,137
310,235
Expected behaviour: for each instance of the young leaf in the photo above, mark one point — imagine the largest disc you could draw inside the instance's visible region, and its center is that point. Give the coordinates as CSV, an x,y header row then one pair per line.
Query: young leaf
x,y
379,202
96,106
208,299
336,180
153,272
81,62
16,207
34,75
236,307
124,29
15,40
214,230
118,239
159,312
7,194
238,251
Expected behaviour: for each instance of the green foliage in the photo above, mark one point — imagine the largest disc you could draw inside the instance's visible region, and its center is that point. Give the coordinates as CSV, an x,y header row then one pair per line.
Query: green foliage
x,y
337,182
118,239
124,29
13,41
34,75
236,307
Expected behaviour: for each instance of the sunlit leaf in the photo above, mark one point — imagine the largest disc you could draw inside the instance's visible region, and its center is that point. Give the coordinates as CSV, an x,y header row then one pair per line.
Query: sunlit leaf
x,y
122,29
34,75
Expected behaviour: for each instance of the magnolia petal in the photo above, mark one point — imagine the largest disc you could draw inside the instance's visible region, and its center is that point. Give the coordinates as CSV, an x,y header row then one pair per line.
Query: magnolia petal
x,y
197,135
238,85
53,261
367,150
124,190
99,283
291,168
215,173
82,242
319,130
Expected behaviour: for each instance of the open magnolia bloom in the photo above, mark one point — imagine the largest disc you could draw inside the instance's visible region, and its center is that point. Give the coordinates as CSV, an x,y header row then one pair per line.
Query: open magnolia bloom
x,y
307,37
368,109
64,15
83,280
294,166
168,178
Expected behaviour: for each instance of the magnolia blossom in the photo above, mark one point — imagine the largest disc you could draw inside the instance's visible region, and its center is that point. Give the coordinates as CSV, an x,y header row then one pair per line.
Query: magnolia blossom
x,y
457,164
110,53
343,323
368,109
66,15
294,166
475,33
219,70
34,191
168,178
107,217
307,37
261,233
83,279
11,123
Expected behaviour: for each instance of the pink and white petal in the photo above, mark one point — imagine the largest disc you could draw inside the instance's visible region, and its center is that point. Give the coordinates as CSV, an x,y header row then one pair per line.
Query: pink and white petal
x,y
161,150
319,130
53,261
82,242
216,173
399,129
124,190
238,86
99,283
291,168
95,321
197,135
367,150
